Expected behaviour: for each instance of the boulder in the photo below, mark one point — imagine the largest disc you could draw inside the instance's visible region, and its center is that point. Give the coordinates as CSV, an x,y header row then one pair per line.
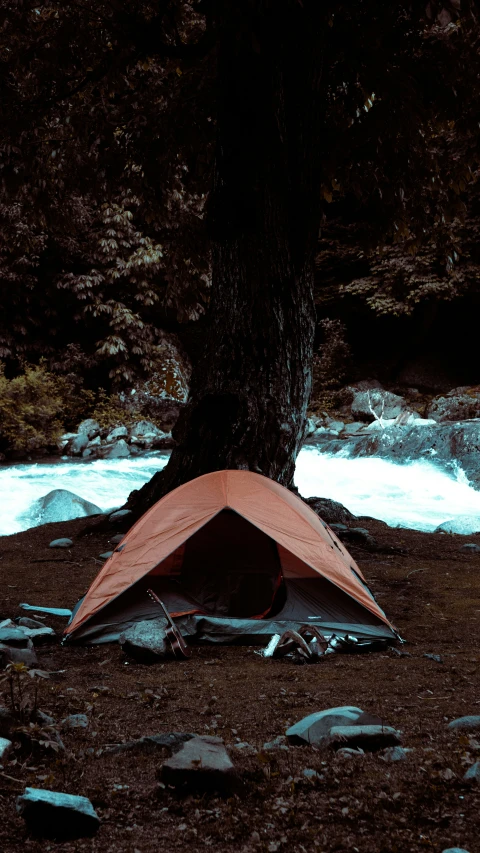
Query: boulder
x,y
117,433
5,749
145,641
59,505
316,727
331,511
464,525
118,450
146,432
10,654
51,814
90,428
466,724
77,445
201,764
61,543
374,404
460,404
370,738
473,773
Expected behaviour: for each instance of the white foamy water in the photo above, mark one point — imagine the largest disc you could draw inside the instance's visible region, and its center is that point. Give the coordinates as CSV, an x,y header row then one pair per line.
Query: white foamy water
x,y
418,495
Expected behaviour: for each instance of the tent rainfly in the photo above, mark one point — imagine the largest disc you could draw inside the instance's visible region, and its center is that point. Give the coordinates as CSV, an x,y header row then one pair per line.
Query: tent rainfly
x,y
235,557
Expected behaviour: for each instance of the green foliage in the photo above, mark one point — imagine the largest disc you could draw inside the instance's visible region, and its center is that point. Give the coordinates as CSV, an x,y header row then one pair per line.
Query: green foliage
x,y
110,411
31,409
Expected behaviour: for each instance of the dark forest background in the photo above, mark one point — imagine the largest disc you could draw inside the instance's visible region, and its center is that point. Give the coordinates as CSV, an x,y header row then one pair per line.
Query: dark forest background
x,y
107,132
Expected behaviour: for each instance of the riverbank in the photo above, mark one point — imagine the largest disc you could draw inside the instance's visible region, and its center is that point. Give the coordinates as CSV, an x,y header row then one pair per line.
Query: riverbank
x,y
431,592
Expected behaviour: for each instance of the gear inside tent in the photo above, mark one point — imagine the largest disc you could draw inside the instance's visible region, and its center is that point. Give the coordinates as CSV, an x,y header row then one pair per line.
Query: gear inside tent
x,y
234,556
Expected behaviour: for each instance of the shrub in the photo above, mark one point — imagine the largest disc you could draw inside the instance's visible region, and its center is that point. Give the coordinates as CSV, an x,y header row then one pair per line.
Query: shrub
x,y
31,409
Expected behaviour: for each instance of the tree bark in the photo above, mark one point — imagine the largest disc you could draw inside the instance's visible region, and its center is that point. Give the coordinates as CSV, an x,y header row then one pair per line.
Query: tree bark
x,y
250,391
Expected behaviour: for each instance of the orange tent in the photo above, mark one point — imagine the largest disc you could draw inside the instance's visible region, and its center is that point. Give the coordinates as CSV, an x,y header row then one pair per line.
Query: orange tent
x,y
231,553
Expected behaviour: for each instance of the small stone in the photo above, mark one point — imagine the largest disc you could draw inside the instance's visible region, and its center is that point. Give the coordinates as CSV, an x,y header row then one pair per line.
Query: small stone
x,y
119,515
15,637
245,748
436,658
75,721
367,737
394,753
26,622
106,555
466,724
44,719
202,763
61,543
51,814
5,749
473,773
316,727
348,752
115,540
9,654
171,741
100,688
470,548
279,742
309,773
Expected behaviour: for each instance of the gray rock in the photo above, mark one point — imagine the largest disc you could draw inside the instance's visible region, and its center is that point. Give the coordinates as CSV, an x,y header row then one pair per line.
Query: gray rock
x,y
75,721
394,753
118,432
59,505
5,749
51,814
359,535
39,635
89,427
26,622
367,737
279,742
44,719
331,511
436,658
95,442
115,540
106,555
375,403
171,741
202,763
473,773
77,445
470,548
7,721
119,515
309,773
245,748
464,525
316,727
460,404
118,450
9,654
352,429
145,641
466,724
348,752
455,850
146,431
61,543
14,637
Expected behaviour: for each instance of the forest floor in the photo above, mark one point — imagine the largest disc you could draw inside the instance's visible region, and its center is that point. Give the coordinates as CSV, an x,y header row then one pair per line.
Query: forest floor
x,y
431,592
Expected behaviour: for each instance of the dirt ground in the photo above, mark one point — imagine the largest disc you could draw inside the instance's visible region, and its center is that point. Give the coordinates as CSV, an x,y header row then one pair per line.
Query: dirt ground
x,y
431,592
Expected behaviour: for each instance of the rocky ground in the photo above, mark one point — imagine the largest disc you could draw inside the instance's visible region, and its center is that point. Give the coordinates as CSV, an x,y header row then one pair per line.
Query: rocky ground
x,y
362,803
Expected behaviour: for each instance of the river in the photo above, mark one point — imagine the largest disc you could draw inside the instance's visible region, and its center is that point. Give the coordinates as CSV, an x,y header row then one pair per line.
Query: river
x,y
417,495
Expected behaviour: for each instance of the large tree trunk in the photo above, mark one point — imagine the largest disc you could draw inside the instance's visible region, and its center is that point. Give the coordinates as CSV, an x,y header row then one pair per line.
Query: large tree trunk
x,y
249,393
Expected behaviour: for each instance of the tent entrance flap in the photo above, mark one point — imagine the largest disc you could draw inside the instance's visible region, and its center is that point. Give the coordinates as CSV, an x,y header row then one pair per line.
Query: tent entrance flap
x,y
231,568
